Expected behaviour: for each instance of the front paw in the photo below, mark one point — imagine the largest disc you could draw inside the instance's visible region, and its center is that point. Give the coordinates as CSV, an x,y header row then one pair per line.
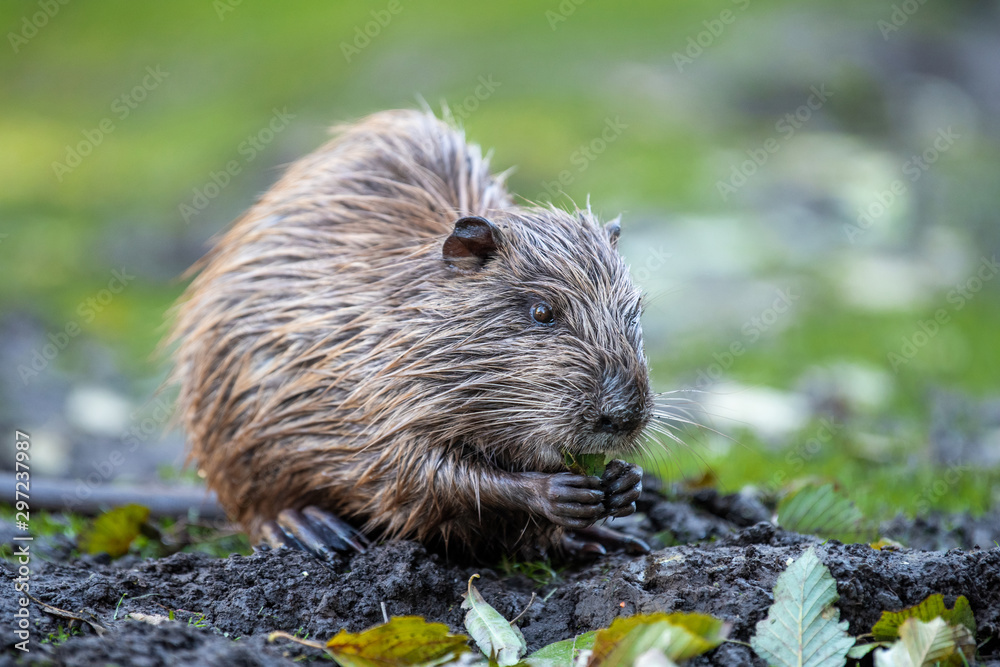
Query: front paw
x,y
622,484
571,500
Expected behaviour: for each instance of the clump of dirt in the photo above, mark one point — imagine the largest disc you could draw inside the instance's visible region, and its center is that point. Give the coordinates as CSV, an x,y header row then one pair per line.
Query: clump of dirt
x,y
223,609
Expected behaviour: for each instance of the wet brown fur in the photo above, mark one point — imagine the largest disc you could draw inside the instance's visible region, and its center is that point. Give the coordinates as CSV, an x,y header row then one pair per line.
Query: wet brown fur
x,y
327,355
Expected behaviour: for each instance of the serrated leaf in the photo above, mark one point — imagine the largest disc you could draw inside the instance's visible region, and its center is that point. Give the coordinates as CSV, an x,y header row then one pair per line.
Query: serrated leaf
x,y
494,635
677,635
404,640
114,531
561,654
802,627
887,627
928,644
821,511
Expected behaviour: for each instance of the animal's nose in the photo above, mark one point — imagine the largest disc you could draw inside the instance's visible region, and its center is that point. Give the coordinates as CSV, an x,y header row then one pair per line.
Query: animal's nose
x,y
617,422
622,406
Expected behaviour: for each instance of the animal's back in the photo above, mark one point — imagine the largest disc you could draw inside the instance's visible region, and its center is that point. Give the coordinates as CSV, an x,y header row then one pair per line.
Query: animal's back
x,y
286,281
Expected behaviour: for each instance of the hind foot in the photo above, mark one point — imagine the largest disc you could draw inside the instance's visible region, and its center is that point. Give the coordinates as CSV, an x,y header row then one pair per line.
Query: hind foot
x,y
596,540
314,531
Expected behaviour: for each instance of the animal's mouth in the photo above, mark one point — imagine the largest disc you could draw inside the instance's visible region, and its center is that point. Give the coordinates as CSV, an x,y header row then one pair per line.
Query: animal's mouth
x,y
611,444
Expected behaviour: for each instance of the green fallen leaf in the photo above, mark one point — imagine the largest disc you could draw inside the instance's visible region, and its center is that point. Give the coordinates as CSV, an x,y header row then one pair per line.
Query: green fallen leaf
x,y
802,628
887,627
495,636
649,638
713,630
114,531
404,640
592,465
930,644
822,511
677,635
561,654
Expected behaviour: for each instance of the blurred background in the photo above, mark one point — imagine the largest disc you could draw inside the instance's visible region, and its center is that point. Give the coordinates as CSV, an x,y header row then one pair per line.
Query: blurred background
x,y
808,194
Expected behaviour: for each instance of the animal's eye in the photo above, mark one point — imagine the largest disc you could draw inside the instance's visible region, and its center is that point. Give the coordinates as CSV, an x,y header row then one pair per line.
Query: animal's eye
x,y
542,313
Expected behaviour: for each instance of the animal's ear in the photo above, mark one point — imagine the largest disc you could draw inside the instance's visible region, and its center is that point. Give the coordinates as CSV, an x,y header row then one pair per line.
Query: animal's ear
x,y
614,230
472,243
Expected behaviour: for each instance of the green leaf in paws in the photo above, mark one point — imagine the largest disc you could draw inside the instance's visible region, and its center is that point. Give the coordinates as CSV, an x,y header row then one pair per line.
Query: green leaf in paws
x,y
591,465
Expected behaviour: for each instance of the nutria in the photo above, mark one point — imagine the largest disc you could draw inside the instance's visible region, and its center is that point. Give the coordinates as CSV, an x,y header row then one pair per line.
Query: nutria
x,y
386,341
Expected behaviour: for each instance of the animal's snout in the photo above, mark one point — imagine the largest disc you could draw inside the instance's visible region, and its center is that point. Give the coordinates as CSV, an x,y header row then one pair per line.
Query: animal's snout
x,y
618,422
622,408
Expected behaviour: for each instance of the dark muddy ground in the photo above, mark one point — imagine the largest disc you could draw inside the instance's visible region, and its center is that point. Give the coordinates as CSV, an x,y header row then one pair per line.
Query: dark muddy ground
x,y
224,608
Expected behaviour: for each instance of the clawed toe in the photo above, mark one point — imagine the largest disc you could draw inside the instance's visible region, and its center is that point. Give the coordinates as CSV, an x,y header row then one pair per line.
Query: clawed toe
x,y
612,539
581,549
314,531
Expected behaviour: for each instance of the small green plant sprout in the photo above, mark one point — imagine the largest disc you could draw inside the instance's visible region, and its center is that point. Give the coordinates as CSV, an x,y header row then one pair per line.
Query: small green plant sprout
x,y
198,621
60,635
540,572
